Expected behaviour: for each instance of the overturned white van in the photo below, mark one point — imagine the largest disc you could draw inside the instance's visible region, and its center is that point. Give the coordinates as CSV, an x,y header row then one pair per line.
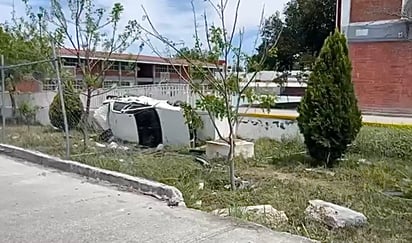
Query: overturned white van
x,y
143,120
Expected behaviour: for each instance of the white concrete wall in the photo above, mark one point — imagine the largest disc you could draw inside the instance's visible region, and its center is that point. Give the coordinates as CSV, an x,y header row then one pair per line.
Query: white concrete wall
x,y
251,127
208,132
41,99
260,127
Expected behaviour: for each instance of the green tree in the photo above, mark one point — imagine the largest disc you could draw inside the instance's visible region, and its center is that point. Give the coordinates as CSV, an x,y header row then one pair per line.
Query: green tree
x,y
227,88
90,31
73,105
20,44
329,117
307,23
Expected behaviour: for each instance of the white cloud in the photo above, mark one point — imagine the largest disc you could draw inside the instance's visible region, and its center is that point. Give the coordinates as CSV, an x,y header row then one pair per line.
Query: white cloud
x,y
174,18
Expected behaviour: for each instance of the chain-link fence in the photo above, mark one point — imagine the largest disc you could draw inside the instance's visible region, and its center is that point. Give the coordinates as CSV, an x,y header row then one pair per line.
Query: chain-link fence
x,y
103,127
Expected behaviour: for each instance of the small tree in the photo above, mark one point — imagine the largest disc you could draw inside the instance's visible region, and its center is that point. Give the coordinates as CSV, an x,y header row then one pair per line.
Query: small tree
x,y
28,113
73,105
202,64
329,117
90,29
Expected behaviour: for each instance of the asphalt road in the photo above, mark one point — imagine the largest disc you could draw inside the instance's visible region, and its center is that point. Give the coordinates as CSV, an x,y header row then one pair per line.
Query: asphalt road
x,y
43,205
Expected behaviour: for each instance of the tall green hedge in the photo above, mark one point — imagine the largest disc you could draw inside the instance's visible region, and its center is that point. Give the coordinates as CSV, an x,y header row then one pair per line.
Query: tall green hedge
x,y
329,117
73,105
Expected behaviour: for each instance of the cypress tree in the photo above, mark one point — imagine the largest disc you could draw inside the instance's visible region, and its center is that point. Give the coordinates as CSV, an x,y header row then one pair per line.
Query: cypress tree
x,y
329,117
73,106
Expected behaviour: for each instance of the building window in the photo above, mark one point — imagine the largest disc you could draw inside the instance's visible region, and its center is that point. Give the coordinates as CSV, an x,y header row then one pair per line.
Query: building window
x,y
113,66
127,66
168,69
109,84
51,85
125,83
162,69
72,62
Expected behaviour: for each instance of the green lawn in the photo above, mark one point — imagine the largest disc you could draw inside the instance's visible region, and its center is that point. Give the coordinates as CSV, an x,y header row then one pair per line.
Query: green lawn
x,y
379,161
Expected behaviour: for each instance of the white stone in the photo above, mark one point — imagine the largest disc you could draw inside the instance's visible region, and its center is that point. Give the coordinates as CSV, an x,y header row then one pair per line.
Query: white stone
x,y
99,145
334,215
271,214
160,147
219,149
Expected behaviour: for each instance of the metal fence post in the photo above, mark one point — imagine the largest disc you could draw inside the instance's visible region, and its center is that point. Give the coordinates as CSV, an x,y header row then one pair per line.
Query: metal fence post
x,y
59,84
3,113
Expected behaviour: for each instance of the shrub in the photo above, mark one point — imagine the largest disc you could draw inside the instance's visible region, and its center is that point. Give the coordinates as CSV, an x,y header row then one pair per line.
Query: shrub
x,y
329,117
73,105
28,112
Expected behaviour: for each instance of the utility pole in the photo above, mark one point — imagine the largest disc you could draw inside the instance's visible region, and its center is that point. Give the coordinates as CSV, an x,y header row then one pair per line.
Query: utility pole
x,y
59,85
3,113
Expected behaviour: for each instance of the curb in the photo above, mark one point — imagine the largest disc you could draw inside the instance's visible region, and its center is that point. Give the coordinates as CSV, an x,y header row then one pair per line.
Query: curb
x,y
158,190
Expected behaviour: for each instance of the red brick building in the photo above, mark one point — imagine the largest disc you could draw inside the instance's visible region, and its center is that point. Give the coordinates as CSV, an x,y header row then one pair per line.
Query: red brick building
x,y
379,35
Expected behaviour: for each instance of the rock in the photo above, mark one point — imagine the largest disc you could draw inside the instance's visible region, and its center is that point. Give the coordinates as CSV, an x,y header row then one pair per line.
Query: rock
x,y
198,204
334,215
160,147
393,193
274,216
364,161
113,145
99,145
201,185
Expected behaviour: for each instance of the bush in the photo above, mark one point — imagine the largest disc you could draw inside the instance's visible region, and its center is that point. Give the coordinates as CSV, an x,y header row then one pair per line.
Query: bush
x,y
73,105
389,142
28,112
329,117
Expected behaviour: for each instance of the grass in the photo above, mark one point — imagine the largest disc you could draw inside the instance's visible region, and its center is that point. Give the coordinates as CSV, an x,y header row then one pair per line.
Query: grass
x,y
378,161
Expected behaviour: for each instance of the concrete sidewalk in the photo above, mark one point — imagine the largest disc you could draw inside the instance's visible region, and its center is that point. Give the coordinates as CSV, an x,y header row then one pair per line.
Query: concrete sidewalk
x,y
43,205
366,117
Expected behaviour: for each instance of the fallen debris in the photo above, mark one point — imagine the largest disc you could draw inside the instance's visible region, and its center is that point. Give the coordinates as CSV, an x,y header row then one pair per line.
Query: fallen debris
x,y
334,215
241,184
114,145
325,172
202,161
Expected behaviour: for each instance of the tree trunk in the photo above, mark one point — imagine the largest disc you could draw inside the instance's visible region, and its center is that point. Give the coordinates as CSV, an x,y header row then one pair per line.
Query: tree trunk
x,y
88,102
13,106
83,129
85,119
231,157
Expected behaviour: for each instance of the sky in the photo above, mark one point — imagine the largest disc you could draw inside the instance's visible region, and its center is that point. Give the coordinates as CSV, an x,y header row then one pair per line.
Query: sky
x,y
174,18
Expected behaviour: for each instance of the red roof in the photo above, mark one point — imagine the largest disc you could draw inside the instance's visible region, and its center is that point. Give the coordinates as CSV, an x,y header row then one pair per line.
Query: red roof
x,y
120,56
127,57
